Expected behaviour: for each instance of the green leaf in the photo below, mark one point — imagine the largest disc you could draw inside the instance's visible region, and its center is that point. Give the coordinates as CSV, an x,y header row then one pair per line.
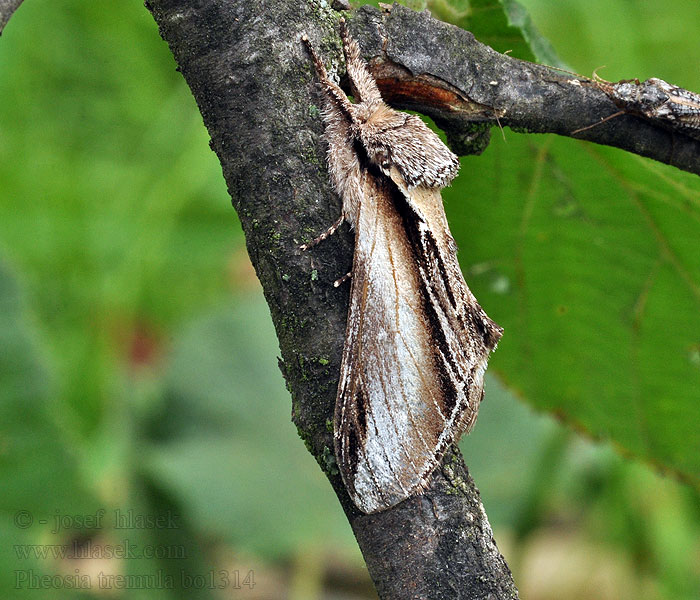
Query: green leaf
x,y
541,48
588,258
104,202
34,456
229,451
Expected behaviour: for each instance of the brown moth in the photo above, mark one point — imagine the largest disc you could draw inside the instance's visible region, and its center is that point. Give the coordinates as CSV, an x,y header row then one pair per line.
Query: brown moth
x,y
656,100
417,341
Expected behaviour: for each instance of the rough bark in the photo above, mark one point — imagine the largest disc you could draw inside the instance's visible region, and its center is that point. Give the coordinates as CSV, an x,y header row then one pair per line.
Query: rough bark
x,y
442,71
7,9
254,85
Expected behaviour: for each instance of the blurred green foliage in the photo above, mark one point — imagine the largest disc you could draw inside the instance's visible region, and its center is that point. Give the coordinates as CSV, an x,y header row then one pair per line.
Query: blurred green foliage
x,y
137,358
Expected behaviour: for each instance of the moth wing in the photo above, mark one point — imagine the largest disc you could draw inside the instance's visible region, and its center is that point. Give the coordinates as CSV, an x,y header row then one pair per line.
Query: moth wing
x,y
386,421
464,334
406,388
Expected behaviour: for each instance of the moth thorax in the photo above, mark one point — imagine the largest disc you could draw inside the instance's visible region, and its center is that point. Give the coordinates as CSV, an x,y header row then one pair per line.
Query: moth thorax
x,y
361,113
640,96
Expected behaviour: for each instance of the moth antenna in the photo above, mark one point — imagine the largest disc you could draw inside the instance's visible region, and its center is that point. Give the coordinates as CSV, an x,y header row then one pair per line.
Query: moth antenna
x,y
597,78
333,91
363,85
612,116
320,67
602,84
574,73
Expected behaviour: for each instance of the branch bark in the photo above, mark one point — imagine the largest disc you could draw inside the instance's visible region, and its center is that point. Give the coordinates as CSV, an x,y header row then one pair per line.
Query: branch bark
x,y
7,9
254,86
442,71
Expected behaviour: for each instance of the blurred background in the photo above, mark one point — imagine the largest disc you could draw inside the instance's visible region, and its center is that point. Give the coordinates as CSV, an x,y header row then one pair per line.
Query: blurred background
x,y
141,407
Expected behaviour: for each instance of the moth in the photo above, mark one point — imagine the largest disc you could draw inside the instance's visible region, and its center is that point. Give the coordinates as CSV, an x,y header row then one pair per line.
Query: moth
x,y
655,100
417,341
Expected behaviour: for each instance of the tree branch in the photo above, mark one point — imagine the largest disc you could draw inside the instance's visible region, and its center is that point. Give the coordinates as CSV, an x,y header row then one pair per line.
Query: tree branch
x,y
442,71
7,9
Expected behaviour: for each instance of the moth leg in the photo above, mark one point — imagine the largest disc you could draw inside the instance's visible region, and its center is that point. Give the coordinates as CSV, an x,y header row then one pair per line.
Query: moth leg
x,y
327,233
340,281
612,116
364,88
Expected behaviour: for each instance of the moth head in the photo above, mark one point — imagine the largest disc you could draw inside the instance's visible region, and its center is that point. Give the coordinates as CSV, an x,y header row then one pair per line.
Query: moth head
x,y
638,96
381,157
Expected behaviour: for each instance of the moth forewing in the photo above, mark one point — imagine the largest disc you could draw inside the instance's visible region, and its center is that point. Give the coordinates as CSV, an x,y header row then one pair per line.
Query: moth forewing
x,y
416,348
417,341
388,420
